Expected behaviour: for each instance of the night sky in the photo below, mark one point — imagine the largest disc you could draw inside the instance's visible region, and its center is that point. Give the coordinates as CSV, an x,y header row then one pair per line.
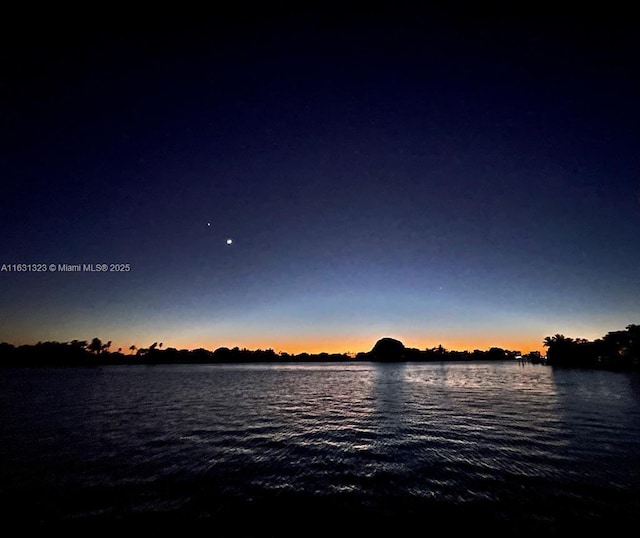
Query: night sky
x,y
464,178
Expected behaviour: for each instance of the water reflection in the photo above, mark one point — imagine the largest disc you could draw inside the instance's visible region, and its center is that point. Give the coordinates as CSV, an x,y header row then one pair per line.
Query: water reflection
x,y
530,442
469,426
390,396
601,420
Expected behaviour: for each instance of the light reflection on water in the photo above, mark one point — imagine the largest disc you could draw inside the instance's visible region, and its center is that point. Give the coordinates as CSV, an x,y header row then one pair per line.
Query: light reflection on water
x,y
531,443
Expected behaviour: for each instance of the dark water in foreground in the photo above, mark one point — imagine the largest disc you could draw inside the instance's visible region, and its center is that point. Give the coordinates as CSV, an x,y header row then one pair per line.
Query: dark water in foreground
x,y
246,449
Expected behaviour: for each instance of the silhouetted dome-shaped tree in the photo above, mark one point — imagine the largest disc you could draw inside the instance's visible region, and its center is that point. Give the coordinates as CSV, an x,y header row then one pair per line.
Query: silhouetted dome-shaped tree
x,y
388,349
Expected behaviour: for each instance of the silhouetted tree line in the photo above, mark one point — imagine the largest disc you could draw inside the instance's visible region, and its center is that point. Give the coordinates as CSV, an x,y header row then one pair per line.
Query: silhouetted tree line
x,y
95,352
616,350
392,350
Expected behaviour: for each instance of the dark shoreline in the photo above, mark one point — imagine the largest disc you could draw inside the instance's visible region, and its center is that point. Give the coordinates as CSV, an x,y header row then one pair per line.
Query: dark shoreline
x,y
81,353
617,351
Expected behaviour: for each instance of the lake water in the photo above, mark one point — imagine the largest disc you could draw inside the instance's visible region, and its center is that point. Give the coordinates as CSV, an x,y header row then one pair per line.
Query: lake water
x,y
254,449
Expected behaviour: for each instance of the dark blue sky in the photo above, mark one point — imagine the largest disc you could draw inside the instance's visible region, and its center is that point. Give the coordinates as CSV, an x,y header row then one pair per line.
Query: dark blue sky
x,y
470,179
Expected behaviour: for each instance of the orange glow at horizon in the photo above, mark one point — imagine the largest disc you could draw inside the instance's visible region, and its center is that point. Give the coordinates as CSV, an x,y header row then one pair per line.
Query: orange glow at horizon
x,y
319,343
295,345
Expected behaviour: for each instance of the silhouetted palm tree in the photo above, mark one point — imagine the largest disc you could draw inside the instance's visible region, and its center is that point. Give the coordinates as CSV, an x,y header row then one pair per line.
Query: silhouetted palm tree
x,y
556,339
561,349
95,346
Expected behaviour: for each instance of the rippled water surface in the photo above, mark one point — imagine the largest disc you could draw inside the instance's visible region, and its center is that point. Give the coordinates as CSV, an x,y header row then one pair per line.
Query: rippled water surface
x,y
247,448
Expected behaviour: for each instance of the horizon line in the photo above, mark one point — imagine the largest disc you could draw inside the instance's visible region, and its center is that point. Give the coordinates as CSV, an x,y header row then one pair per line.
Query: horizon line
x,y
311,350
